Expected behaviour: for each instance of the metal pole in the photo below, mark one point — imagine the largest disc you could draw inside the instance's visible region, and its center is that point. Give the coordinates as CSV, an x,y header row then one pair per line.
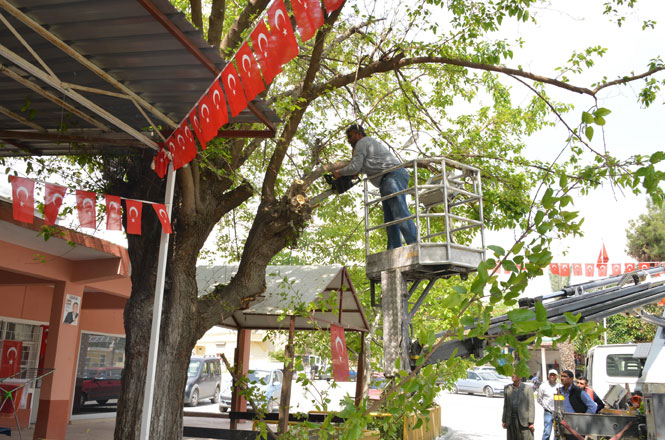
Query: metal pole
x,y
157,313
605,332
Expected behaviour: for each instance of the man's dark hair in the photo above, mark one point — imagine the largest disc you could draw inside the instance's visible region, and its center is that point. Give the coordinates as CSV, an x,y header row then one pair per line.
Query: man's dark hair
x,y
568,373
356,127
583,378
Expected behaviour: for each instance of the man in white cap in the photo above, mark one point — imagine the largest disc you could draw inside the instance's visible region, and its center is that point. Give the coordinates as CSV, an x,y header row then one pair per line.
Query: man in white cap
x,y
545,399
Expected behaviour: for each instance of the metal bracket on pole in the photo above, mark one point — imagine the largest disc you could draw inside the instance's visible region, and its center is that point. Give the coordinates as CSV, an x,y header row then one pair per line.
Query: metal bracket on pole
x,y
157,313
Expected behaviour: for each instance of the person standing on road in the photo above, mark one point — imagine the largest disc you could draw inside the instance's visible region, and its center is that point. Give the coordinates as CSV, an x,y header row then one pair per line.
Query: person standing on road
x,y
518,410
575,399
545,398
372,157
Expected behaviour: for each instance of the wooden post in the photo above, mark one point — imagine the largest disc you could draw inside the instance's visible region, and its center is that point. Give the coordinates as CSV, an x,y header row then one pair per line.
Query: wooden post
x,y
241,366
285,400
360,373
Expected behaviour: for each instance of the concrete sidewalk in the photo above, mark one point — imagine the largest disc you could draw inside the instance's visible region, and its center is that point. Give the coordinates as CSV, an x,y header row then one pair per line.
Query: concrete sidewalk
x,y
102,429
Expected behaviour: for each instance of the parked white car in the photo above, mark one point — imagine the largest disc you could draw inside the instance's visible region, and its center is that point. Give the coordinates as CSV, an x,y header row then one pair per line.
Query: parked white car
x,y
266,386
480,382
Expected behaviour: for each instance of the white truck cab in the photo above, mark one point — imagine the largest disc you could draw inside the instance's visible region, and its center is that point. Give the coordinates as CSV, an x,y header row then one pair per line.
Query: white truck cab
x,y
614,364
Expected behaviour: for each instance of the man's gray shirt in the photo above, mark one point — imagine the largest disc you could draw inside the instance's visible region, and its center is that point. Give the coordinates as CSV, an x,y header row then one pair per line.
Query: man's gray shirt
x,y
370,157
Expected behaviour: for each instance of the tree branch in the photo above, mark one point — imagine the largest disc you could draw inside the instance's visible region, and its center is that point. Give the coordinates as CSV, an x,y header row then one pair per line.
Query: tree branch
x,y
216,22
234,36
627,79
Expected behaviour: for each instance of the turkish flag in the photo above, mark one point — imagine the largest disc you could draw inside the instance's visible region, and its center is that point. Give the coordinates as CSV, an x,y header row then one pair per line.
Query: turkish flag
x,y
644,266
340,357
176,158
602,270
23,198
185,149
234,92
564,269
616,269
160,163
163,217
85,204
554,268
602,256
249,72
207,118
113,213
198,129
589,269
577,269
134,208
629,267
282,32
332,5
53,195
265,50
309,17
10,361
219,114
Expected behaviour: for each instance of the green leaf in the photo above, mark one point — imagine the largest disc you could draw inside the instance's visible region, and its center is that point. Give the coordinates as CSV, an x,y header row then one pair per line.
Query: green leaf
x,y
602,111
548,198
572,319
521,315
460,289
509,265
541,313
588,131
498,250
599,120
587,118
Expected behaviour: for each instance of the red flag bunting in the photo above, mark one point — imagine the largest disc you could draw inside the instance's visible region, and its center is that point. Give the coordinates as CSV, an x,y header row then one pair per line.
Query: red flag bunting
x,y
589,269
134,208
554,268
53,196
113,213
219,114
644,266
602,270
616,269
564,269
332,5
198,129
185,149
176,157
629,267
23,198
234,91
206,118
602,256
249,72
86,202
160,163
340,357
282,32
309,17
265,51
163,217
577,269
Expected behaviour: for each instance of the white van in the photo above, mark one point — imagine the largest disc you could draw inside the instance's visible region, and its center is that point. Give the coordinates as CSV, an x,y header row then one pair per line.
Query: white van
x,y
614,364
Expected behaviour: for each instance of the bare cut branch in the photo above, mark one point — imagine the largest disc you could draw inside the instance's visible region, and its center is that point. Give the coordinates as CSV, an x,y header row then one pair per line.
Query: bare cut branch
x,y
234,36
188,192
305,97
197,14
216,22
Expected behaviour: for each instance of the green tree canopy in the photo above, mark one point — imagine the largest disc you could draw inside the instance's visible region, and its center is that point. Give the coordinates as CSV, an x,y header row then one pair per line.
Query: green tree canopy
x,y
646,234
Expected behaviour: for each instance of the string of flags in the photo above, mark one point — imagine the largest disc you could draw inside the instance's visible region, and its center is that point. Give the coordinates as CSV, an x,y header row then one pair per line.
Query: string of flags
x,y
600,269
23,207
270,51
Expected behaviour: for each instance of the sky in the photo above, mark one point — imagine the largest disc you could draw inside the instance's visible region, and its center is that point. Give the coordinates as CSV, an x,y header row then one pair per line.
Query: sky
x,y
564,26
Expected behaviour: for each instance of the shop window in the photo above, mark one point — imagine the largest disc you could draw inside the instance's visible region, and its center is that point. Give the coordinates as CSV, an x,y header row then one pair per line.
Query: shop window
x,y
101,360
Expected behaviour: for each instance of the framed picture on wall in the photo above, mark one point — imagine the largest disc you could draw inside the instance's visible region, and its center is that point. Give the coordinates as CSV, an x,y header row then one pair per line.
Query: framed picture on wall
x,y
72,308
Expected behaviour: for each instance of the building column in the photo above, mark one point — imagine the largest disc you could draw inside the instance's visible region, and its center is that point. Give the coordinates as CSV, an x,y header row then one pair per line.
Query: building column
x,y
55,399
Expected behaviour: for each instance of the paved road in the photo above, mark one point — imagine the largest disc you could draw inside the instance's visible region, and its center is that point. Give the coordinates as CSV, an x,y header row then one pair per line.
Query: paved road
x,y
476,417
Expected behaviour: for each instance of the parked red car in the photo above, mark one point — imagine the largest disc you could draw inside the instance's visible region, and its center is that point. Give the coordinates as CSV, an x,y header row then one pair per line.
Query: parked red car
x,y
100,384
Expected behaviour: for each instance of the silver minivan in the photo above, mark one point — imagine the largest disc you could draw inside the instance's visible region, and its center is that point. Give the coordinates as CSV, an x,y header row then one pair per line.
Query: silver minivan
x,y
204,377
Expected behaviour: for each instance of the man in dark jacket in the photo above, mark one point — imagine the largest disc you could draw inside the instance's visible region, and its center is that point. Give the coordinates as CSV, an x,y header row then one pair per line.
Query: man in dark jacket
x,y
576,400
518,410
